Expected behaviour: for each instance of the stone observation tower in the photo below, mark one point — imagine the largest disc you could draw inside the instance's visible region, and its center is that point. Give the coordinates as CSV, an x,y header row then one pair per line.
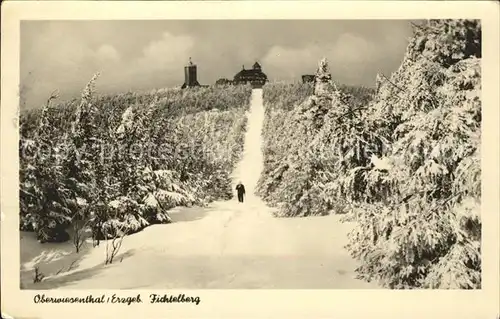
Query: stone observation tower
x,y
190,76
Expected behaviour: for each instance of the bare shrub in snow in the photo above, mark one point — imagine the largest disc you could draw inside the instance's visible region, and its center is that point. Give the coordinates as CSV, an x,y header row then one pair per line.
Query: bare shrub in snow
x,y
115,232
37,276
79,230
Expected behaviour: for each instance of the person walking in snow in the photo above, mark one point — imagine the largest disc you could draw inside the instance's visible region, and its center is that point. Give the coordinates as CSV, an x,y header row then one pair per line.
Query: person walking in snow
x,y
241,191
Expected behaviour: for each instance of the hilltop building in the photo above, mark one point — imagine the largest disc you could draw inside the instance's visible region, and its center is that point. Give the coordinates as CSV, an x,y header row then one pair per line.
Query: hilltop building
x,y
190,75
223,81
308,78
253,76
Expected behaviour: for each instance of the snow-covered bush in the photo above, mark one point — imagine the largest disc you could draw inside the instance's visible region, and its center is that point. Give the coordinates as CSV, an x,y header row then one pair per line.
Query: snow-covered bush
x,y
42,190
286,96
406,164
425,230
121,162
303,143
81,165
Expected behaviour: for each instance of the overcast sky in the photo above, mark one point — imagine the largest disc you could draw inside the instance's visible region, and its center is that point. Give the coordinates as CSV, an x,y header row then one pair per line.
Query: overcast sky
x,y
143,55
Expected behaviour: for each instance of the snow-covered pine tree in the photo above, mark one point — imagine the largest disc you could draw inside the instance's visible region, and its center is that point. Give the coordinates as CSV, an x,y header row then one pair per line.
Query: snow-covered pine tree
x,y
43,208
145,194
156,190
125,211
81,163
318,143
425,230
109,176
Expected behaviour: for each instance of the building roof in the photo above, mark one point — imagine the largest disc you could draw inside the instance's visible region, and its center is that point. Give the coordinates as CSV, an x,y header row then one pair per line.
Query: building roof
x,y
251,74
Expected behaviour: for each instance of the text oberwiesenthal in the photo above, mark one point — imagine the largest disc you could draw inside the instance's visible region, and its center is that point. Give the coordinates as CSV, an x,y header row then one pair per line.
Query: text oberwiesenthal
x,y
153,298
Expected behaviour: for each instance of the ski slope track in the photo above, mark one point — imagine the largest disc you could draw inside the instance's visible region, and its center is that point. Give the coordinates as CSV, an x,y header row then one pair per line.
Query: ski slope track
x,y
225,245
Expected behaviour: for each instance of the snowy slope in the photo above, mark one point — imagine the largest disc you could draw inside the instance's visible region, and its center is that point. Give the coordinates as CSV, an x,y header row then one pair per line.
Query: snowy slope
x,y
226,245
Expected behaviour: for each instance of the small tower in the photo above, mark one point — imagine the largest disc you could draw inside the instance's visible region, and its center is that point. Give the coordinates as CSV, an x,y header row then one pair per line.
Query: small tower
x,y
190,75
257,66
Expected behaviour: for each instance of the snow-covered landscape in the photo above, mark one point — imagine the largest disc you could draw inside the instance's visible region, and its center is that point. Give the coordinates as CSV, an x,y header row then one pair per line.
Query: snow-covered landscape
x,y
372,184
225,245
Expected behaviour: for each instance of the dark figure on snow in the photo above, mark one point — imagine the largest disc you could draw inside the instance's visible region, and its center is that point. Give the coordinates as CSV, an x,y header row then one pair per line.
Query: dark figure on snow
x,y
241,191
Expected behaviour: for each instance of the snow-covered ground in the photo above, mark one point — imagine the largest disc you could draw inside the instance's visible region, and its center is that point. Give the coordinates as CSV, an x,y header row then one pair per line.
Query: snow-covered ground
x,y
226,245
